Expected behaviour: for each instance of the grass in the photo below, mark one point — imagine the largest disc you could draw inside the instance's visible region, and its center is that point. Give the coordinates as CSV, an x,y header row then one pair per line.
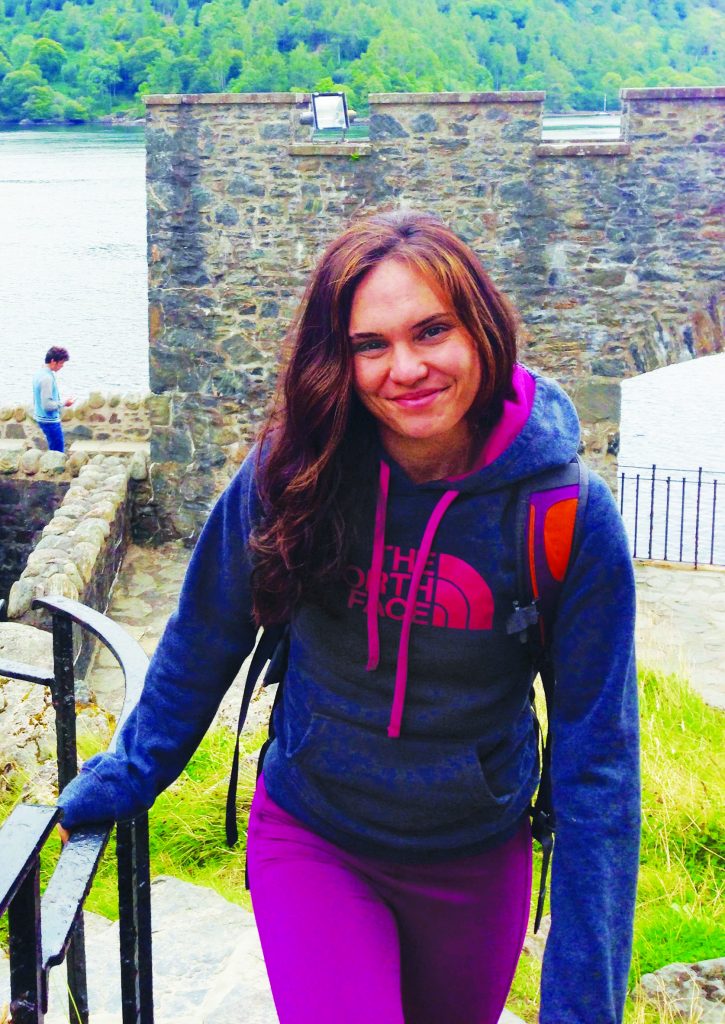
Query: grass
x,y
680,915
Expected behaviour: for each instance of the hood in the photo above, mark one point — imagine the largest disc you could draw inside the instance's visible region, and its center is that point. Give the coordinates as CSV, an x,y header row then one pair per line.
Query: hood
x,y
538,429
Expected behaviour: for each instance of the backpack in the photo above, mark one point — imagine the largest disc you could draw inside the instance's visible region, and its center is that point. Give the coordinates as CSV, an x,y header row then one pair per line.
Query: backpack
x,y
549,512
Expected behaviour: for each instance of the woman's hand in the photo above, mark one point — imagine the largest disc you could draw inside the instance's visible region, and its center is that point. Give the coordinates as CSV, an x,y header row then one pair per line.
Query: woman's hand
x,y
63,833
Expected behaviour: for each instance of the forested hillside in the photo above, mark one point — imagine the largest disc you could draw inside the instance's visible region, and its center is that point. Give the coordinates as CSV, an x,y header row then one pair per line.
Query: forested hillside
x,y
75,61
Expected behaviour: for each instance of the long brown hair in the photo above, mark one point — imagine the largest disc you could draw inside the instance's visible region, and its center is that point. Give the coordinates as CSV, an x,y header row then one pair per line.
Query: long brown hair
x,y
317,441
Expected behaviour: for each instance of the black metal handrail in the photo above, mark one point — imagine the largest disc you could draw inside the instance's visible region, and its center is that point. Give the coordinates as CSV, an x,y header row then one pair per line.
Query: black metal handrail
x,y
661,502
45,932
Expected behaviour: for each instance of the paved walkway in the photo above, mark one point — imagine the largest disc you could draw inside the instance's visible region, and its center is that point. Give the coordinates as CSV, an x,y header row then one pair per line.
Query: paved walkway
x,y
681,625
144,595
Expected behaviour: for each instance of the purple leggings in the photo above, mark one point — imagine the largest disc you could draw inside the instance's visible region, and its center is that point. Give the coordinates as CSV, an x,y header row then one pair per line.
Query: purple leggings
x,y
355,940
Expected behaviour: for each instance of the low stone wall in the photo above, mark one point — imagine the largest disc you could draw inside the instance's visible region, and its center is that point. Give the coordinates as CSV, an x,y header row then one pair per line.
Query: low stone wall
x,y
98,417
82,544
25,506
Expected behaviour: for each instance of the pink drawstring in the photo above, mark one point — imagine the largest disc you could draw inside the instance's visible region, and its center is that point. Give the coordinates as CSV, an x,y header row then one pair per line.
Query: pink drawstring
x,y
376,568
401,671
375,578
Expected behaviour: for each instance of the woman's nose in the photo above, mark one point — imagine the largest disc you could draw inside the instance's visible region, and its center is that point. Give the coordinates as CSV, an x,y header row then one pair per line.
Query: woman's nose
x,y
407,366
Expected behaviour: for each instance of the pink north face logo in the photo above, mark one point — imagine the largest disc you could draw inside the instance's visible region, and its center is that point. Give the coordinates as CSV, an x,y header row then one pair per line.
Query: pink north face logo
x,y
451,593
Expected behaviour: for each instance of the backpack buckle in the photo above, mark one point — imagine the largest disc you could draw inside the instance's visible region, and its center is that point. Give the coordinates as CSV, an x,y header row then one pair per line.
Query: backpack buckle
x,y
522,619
542,825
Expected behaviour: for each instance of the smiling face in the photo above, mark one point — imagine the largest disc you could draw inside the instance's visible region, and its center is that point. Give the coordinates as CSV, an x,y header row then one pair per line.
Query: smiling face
x,y
416,368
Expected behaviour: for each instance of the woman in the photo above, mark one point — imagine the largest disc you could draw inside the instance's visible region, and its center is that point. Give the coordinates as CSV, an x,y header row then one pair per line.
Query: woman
x,y
389,844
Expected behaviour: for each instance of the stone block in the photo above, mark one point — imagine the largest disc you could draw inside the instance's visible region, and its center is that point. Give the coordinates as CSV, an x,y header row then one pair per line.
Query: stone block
x,y
30,461
138,469
605,277
598,399
61,585
20,598
159,410
9,462
84,555
52,462
689,991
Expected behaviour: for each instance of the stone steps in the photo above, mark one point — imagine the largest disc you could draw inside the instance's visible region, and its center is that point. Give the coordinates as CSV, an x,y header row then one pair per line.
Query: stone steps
x,y
208,964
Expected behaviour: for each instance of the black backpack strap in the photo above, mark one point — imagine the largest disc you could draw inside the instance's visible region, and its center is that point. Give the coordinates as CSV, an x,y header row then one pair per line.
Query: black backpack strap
x,y
271,646
533,618
543,820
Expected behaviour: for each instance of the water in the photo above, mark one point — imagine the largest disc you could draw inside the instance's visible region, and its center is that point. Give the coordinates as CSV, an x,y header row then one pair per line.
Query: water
x,y
582,127
73,258
73,272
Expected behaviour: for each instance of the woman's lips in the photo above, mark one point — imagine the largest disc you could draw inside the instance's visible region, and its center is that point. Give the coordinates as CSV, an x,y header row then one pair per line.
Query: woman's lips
x,y
418,399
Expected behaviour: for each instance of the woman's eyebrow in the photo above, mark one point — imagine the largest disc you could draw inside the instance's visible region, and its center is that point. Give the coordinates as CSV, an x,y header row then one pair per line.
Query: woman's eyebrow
x,y
425,322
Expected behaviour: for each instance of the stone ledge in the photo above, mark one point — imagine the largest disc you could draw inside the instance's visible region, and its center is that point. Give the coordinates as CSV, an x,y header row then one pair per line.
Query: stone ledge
x,y
406,98
287,99
348,149
708,92
9,444
554,149
109,447
658,563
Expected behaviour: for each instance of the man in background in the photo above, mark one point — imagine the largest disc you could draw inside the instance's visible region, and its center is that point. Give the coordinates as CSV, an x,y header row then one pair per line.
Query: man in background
x,y
46,398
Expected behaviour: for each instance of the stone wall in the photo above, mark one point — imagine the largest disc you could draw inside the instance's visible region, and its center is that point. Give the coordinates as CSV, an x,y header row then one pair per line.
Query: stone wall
x,y
25,508
80,528
611,251
98,417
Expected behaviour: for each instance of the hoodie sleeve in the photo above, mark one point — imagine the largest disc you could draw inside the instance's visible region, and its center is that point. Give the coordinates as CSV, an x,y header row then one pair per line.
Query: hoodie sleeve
x,y
202,648
595,776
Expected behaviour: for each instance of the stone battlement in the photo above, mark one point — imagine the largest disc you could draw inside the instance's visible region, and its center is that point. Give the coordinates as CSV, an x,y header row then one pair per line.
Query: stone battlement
x,y
612,251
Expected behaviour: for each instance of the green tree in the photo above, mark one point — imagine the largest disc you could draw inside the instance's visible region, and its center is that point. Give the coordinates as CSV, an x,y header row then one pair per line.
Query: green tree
x,y
49,56
267,73
139,58
16,87
304,68
41,104
20,46
74,111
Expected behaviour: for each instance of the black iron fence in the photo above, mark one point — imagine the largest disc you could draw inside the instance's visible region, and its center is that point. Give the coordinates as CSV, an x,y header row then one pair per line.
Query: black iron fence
x,y
674,515
45,931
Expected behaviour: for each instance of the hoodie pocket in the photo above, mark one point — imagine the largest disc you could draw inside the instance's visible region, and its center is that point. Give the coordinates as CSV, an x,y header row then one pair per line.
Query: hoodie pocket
x,y
358,777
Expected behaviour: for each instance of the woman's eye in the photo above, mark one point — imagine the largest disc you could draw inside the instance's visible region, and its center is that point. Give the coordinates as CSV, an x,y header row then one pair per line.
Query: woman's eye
x,y
434,330
371,347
